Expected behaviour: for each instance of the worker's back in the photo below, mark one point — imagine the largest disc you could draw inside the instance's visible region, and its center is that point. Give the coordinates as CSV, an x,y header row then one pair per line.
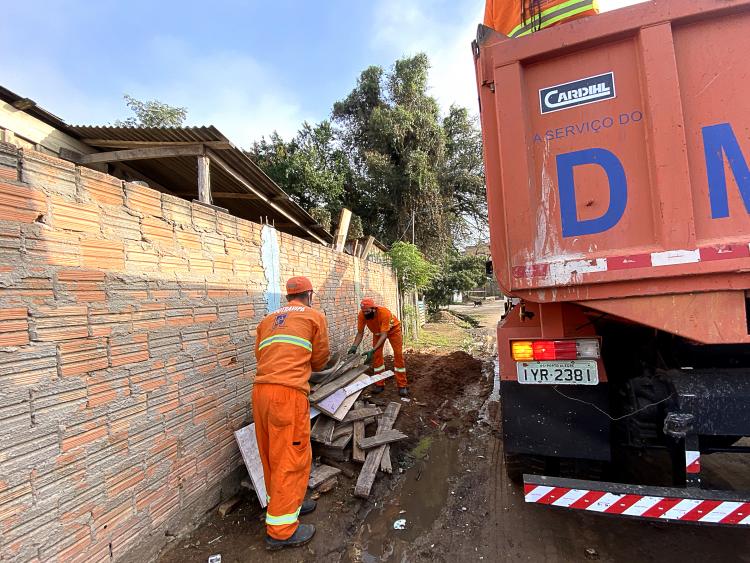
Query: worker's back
x,y
516,18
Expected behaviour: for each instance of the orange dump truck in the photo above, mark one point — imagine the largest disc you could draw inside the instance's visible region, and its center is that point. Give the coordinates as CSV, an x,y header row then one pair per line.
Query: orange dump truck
x,y
617,153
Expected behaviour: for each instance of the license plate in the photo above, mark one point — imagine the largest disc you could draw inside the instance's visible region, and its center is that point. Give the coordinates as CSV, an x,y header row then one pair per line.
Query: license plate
x,y
574,372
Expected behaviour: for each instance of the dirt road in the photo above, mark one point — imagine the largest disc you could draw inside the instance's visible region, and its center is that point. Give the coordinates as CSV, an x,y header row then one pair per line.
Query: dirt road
x,y
450,489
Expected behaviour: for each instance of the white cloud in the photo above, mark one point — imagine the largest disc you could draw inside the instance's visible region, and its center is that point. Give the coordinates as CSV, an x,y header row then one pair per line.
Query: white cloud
x,y
406,29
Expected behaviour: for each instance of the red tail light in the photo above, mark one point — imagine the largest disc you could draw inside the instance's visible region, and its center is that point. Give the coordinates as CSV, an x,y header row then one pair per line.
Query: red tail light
x,y
539,350
554,349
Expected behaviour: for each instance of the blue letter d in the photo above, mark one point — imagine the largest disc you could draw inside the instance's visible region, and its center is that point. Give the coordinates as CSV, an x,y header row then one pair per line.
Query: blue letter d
x,y
618,191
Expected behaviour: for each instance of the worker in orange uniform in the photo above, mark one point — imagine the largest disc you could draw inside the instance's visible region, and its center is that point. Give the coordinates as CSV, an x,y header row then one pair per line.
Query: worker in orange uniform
x,y
384,326
290,343
516,18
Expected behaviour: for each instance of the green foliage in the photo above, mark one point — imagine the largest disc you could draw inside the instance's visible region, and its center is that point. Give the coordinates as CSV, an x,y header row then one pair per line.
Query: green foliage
x,y
456,273
355,228
310,167
412,269
152,113
388,155
322,216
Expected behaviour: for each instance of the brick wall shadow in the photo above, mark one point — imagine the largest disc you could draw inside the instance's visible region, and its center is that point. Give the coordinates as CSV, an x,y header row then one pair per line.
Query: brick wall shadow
x,y
127,326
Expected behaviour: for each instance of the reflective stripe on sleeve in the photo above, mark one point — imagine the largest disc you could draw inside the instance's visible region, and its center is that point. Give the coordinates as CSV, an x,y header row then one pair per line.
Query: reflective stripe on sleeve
x,y
284,519
400,370
378,369
286,339
553,15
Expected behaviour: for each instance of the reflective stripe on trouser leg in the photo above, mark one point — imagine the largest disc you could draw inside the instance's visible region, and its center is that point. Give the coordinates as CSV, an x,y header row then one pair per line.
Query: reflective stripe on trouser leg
x,y
282,419
399,367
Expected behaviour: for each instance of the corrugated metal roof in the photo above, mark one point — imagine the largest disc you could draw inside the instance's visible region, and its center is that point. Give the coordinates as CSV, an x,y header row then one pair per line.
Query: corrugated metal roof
x,y
179,175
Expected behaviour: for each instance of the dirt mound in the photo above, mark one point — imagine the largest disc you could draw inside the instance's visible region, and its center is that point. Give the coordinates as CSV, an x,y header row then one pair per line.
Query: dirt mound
x,y
436,377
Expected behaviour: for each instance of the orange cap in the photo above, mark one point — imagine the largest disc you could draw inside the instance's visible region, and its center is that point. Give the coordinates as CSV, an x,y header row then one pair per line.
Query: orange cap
x,y
298,284
367,303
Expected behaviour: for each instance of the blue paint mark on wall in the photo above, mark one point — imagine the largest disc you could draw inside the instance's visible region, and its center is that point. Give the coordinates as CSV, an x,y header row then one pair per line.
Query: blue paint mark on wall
x,y
269,257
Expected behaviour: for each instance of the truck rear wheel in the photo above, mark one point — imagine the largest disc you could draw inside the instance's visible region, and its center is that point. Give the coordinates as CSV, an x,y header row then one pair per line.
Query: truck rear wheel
x,y
518,464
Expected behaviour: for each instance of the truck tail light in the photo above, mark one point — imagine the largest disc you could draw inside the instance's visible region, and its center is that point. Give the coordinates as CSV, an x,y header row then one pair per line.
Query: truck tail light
x,y
540,350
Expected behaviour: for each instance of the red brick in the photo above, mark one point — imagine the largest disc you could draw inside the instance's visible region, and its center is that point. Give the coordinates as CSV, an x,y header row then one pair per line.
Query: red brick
x,y
205,314
57,248
171,263
83,285
128,350
60,323
245,311
21,203
75,216
200,265
83,356
143,199
149,316
102,187
204,218
14,327
103,321
140,257
83,438
124,480
103,254
188,239
158,231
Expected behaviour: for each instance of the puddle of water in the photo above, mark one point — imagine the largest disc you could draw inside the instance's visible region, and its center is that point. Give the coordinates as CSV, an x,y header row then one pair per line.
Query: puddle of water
x,y
423,495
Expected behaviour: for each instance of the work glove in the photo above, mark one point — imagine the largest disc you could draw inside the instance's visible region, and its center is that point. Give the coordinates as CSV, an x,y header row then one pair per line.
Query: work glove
x,y
368,356
352,350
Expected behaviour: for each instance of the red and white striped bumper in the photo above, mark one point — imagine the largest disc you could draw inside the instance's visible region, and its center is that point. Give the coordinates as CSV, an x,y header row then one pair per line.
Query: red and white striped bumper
x,y
658,503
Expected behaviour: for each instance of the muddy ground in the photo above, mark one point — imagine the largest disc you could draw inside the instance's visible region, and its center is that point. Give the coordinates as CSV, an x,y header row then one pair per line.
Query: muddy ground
x,y
450,488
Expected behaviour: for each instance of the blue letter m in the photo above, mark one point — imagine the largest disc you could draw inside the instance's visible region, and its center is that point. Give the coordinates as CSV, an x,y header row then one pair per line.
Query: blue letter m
x,y
719,140
618,191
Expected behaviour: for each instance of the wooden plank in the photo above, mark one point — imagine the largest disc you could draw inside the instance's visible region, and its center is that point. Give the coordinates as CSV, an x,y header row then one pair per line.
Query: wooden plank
x,y
344,470
367,248
342,430
346,406
385,462
361,413
338,383
142,154
333,401
342,441
320,474
234,195
381,438
342,229
358,454
319,450
372,463
117,144
204,179
322,430
248,445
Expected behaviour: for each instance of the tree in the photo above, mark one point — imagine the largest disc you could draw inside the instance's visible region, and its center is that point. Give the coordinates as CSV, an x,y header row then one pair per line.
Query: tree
x,y
310,167
411,171
152,114
456,273
412,269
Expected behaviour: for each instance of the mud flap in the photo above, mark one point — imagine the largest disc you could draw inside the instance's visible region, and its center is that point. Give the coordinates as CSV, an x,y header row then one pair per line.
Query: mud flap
x,y
697,506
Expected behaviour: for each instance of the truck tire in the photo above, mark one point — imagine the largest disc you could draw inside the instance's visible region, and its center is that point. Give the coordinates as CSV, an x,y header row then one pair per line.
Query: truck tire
x,y
518,464
587,469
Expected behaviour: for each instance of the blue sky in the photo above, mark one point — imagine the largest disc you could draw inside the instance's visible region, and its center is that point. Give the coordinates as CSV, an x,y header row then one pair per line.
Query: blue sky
x,y
248,67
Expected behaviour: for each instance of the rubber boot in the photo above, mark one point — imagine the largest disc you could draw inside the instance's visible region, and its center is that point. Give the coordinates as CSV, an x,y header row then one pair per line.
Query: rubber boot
x,y
302,535
308,506
403,391
378,389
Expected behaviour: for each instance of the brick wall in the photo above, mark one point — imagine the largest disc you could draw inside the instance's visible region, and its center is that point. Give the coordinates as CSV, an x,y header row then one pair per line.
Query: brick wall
x,y
127,322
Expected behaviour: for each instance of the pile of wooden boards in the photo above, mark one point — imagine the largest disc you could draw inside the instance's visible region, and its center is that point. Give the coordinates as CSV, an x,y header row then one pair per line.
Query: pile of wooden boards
x,y
345,439
339,429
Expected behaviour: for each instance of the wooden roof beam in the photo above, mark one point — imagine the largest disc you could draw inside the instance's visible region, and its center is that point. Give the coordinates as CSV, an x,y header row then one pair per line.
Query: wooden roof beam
x,y
142,154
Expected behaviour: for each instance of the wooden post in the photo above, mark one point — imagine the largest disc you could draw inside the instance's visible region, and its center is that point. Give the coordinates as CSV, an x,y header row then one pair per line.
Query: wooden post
x,y
368,247
204,179
342,229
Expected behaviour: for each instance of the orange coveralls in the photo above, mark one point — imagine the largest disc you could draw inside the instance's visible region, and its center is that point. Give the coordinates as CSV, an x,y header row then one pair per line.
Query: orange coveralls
x,y
385,321
290,343
507,16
